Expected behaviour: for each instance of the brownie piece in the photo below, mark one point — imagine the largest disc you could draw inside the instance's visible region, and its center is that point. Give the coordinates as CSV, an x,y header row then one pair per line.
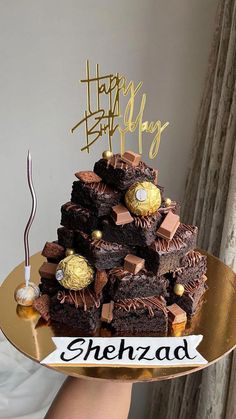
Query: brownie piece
x,y
140,232
49,286
123,284
191,299
65,237
140,315
74,217
164,255
77,309
98,197
100,253
192,265
117,172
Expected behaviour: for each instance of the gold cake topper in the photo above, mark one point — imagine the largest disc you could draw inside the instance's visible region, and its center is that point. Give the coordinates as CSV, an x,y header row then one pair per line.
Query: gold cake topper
x,y
99,120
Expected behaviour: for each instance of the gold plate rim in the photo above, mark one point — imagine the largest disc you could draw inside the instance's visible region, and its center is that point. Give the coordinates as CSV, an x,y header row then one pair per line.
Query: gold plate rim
x,y
17,331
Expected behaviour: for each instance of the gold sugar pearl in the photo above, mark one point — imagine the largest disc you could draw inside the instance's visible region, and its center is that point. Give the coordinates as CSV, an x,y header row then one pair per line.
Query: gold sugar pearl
x,y
107,154
70,252
96,235
168,202
179,289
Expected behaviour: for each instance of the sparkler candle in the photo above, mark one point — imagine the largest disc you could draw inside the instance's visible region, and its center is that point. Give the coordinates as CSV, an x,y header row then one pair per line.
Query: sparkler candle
x,y
28,291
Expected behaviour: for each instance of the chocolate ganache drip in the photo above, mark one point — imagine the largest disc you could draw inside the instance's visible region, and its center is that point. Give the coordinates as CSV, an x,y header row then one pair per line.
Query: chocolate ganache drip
x,y
150,303
80,299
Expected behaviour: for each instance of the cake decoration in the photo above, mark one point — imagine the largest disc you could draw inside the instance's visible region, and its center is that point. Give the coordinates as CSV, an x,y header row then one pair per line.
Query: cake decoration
x,y
96,235
48,270
100,120
27,292
143,198
107,154
53,251
121,215
176,314
88,177
131,158
179,289
107,312
70,251
168,202
133,264
169,226
74,272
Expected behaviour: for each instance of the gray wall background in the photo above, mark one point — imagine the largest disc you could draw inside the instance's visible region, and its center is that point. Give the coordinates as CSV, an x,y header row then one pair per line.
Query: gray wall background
x,y
43,48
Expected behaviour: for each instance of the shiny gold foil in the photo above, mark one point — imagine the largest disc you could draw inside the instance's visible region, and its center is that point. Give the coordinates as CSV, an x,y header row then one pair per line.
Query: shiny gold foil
x,y
75,271
143,198
215,321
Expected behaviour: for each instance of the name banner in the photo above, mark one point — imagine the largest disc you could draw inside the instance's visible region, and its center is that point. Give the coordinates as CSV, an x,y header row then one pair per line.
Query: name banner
x,y
126,351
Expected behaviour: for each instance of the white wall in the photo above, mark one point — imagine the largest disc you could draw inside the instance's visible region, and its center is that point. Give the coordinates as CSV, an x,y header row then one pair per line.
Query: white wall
x,y
43,48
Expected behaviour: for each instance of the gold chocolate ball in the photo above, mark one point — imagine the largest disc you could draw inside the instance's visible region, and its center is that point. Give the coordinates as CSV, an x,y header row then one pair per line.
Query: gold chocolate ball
x,y
168,202
74,272
179,289
107,154
26,313
69,252
25,295
143,198
96,235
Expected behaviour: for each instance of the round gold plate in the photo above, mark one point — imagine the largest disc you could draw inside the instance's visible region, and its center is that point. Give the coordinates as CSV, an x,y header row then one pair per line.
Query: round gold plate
x,y
215,321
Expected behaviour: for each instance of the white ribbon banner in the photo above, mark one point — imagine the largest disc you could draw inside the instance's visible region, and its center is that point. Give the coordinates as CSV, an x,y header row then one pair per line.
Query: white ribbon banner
x,y
129,351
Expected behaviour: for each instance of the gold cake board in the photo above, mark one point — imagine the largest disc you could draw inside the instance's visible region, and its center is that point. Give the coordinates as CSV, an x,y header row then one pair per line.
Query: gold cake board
x,y
215,321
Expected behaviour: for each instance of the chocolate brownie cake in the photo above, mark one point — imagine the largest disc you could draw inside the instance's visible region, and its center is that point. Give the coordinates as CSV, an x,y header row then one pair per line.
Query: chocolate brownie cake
x,y
123,257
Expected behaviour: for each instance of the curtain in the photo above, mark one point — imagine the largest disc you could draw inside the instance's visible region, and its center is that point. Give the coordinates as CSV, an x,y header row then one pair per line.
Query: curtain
x,y
210,203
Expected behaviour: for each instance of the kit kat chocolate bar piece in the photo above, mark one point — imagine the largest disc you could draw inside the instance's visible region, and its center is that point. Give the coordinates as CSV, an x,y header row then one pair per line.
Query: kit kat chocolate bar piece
x,y
133,264
121,215
169,226
131,158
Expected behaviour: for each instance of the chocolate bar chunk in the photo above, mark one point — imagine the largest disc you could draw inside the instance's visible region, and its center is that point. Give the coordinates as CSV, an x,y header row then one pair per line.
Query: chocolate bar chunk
x,y
100,282
191,299
176,314
101,254
141,232
192,265
131,158
88,177
121,215
42,305
123,284
48,270
53,251
169,226
77,309
163,255
107,312
140,315
133,264
65,237
98,197
75,217
121,174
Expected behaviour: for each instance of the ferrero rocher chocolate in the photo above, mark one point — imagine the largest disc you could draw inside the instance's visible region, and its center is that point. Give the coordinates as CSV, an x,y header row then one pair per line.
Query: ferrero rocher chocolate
x,y
74,272
143,198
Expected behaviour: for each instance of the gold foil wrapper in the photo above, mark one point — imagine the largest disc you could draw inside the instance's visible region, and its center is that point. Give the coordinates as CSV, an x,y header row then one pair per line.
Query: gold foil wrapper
x,y
74,272
143,198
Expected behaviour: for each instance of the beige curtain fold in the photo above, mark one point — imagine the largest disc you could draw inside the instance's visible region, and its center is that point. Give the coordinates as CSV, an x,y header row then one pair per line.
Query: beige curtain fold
x,y
210,203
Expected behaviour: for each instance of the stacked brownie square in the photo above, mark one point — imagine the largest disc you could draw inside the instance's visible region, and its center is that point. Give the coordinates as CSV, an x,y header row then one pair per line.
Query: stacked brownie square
x,y
146,273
